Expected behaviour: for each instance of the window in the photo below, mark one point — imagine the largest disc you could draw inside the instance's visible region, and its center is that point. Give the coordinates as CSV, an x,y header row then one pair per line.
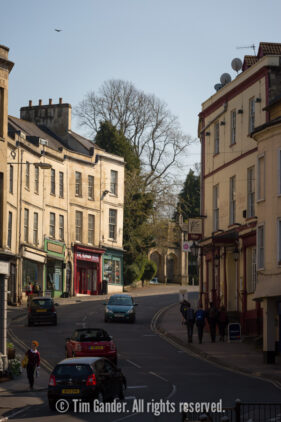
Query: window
x,y
27,175
61,187
216,138
215,208
11,180
251,269
36,180
91,228
112,270
26,224
251,115
90,187
35,228
261,178
279,241
250,192
52,224
260,244
53,181
61,227
232,201
112,224
10,224
279,172
233,127
78,225
113,182
78,183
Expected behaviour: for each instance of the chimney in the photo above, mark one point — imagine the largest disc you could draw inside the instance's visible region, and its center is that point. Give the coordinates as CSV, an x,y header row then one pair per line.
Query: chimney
x,y
29,103
50,101
40,103
60,100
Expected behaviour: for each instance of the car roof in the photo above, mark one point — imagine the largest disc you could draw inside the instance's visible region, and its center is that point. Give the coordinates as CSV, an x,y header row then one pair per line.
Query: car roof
x,y
84,360
42,297
123,295
90,328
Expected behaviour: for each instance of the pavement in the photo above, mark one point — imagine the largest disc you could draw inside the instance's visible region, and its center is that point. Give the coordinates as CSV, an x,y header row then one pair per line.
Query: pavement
x,y
243,357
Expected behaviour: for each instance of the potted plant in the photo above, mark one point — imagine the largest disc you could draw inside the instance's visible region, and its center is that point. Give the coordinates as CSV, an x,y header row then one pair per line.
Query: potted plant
x,y
11,351
14,368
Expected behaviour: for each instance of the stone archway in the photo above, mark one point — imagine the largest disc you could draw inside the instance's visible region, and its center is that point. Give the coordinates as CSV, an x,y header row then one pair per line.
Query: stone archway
x,y
171,267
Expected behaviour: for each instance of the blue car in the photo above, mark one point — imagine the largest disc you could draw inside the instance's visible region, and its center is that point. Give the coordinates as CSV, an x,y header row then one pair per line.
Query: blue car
x,y
120,307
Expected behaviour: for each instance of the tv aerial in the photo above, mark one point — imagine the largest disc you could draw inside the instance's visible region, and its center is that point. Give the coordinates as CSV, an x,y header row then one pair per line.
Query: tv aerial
x,y
236,64
249,46
225,78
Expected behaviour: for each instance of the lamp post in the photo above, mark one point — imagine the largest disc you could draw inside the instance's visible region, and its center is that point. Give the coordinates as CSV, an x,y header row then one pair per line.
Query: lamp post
x,y
236,258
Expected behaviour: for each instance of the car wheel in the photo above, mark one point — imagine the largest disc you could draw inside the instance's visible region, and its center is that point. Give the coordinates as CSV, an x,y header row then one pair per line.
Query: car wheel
x,y
29,323
55,322
121,394
52,404
100,397
105,319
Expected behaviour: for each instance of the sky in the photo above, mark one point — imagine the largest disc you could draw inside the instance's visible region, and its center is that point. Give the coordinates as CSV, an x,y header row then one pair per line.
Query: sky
x,y
174,49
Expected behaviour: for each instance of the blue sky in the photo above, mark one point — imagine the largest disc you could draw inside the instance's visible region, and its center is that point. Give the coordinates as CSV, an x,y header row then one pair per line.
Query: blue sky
x,y
175,49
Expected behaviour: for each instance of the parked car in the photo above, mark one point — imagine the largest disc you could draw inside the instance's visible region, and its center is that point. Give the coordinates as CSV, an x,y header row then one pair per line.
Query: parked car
x,y
41,310
120,307
154,281
86,378
91,342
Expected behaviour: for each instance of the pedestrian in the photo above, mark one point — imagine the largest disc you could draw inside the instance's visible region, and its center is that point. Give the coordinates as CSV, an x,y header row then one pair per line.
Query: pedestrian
x,y
190,319
33,363
36,289
212,317
29,292
200,322
183,308
222,322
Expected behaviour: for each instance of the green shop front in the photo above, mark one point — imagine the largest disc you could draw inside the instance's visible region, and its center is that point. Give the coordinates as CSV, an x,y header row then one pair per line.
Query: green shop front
x,y
112,270
54,268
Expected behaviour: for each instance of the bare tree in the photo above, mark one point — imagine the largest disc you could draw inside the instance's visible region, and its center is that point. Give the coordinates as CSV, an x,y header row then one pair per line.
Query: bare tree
x,y
144,119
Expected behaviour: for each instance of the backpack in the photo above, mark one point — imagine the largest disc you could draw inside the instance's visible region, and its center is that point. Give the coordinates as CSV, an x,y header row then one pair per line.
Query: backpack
x,y
189,314
213,313
200,315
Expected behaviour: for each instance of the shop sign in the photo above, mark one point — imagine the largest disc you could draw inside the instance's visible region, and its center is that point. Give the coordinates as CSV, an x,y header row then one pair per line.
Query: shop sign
x,y
87,257
54,247
4,267
195,226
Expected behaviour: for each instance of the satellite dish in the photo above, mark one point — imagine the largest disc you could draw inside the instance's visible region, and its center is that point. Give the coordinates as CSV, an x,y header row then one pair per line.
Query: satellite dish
x,y
217,87
236,64
225,78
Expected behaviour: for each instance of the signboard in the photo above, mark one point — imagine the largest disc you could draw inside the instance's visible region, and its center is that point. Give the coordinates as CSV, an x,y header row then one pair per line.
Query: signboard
x,y
54,247
195,226
4,268
194,236
186,246
234,332
87,257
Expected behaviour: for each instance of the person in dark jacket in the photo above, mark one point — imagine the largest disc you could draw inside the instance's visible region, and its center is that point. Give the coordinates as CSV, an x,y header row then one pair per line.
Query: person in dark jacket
x,y
33,363
200,322
189,318
183,308
212,317
222,322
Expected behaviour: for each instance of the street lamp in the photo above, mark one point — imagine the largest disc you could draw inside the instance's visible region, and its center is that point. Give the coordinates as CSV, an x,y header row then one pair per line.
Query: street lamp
x,y
236,254
217,260
194,249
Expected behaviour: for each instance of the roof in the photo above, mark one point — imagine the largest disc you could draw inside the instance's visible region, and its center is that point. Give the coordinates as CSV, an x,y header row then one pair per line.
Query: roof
x,y
269,48
85,360
249,61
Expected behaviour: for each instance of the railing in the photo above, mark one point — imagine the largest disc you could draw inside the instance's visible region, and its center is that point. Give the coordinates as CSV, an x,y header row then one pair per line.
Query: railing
x,y
241,412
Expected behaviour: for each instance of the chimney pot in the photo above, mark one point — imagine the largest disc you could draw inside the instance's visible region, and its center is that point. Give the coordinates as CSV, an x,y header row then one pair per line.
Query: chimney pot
x,y
60,100
50,101
40,102
30,103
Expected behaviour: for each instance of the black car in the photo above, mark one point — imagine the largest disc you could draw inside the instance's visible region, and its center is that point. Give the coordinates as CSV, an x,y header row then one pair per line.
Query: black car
x,y
120,307
41,310
86,378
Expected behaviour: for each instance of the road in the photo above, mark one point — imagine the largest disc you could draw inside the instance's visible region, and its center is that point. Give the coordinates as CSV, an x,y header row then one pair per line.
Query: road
x,y
154,369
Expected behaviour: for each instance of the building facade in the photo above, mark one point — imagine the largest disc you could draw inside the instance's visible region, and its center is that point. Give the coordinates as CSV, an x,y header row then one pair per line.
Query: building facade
x,y
64,213
229,195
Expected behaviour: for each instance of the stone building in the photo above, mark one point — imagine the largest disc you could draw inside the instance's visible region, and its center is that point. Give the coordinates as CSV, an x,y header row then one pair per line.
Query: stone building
x,y
64,210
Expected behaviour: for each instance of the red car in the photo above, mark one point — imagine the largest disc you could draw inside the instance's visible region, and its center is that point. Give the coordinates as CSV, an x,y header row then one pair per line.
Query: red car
x,y
91,342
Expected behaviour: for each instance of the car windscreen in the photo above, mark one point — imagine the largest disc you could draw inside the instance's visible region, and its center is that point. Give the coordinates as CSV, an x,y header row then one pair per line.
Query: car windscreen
x,y
42,303
121,301
90,335
72,370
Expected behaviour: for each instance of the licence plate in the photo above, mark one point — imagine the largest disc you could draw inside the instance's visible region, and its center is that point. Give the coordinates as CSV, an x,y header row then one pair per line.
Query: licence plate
x,y
70,391
118,315
41,310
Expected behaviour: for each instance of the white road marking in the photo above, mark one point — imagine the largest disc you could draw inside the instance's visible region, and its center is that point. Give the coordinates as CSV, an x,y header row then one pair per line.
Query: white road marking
x,y
125,417
174,389
130,398
85,317
158,376
18,412
133,363
137,386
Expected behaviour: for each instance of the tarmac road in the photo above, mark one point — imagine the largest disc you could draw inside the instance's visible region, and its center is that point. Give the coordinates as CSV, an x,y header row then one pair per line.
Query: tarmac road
x,y
155,370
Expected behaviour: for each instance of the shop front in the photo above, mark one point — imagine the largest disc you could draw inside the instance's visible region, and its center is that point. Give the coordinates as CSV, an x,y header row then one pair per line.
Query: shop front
x,y
32,267
113,270
87,270
55,268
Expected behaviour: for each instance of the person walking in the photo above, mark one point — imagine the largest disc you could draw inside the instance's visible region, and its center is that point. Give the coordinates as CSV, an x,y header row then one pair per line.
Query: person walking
x,y
212,318
33,363
222,322
29,292
183,309
189,318
200,322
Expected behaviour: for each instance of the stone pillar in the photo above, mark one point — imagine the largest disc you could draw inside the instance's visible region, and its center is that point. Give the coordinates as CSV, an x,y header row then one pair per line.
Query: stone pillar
x,y
3,313
269,313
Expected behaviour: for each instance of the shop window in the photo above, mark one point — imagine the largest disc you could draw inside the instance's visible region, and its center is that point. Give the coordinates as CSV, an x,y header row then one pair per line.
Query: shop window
x,y
91,187
112,223
26,224
10,224
35,228
113,182
54,275
53,182
78,225
112,270
52,224
91,228
36,179
61,184
11,180
78,183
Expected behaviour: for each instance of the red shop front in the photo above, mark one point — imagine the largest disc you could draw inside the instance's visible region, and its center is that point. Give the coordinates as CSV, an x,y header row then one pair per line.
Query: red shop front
x,y
87,270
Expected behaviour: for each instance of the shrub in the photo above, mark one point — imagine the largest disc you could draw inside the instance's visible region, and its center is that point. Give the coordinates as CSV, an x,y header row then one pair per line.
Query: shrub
x,y
150,270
